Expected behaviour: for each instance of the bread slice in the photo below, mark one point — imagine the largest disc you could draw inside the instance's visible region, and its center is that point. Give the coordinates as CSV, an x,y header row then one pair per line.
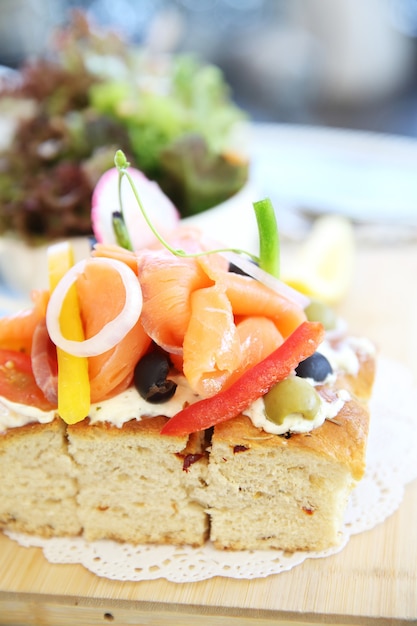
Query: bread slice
x,y
288,492
37,481
137,486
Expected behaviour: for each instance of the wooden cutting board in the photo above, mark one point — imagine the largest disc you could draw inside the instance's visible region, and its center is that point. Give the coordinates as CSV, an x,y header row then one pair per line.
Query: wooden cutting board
x,y
372,581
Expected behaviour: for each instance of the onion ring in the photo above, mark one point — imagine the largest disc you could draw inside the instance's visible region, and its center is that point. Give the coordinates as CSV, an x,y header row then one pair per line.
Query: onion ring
x,y
113,332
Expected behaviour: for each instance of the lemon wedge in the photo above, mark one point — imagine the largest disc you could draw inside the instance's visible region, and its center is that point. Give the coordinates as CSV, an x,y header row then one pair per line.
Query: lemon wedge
x,y
73,380
323,266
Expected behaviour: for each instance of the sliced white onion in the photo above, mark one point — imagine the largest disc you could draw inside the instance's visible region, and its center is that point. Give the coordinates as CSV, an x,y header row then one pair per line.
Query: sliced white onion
x,y
268,280
114,331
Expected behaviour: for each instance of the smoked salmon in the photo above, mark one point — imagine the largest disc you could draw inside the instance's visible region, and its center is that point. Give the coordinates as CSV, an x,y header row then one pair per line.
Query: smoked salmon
x,y
212,349
167,283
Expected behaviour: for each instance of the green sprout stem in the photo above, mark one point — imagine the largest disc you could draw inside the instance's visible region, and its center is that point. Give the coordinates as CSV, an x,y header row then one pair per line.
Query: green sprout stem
x,y
269,248
265,216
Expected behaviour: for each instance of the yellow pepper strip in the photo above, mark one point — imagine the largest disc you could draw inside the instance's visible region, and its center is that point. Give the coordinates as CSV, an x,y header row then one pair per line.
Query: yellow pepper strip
x,y
73,380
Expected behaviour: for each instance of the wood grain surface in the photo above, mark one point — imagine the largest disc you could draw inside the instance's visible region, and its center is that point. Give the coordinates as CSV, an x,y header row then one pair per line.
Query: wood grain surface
x,y
372,581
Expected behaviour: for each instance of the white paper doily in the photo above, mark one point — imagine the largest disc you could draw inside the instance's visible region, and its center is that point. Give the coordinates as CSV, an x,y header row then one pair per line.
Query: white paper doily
x,y
391,464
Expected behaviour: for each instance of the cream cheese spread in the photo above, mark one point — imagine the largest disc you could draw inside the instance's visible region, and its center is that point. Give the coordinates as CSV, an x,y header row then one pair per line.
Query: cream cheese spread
x,y
13,415
344,356
130,405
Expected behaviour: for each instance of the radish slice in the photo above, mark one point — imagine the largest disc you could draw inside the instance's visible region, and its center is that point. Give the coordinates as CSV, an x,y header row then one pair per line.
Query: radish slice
x,y
113,332
162,213
268,280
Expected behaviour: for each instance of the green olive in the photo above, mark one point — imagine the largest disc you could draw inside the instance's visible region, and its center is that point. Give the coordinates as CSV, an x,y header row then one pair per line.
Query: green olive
x,y
292,395
319,312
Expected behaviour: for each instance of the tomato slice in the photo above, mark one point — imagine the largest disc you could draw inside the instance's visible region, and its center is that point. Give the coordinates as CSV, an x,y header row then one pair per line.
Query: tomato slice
x,y
17,382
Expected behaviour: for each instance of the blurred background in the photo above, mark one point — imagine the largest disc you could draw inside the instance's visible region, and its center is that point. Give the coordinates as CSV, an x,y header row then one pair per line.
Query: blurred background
x,y
338,63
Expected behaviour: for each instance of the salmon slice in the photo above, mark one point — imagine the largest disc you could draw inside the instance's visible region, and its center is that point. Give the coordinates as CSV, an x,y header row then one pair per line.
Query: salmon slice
x,y
167,283
16,330
212,349
214,265
102,295
258,337
111,251
249,297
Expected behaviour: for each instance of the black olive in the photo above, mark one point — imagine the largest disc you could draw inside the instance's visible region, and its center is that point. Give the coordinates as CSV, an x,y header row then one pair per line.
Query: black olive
x,y
315,366
150,378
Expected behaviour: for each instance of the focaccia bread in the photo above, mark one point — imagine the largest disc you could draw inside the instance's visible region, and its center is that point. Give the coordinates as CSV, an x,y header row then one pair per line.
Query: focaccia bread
x,y
137,486
290,491
38,487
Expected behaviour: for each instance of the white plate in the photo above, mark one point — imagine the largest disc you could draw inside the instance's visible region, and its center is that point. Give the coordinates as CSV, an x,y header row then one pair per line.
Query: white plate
x,y
367,177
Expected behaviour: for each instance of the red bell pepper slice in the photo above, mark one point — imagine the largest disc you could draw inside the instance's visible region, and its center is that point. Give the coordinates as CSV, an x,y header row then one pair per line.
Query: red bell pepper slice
x,y
253,384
